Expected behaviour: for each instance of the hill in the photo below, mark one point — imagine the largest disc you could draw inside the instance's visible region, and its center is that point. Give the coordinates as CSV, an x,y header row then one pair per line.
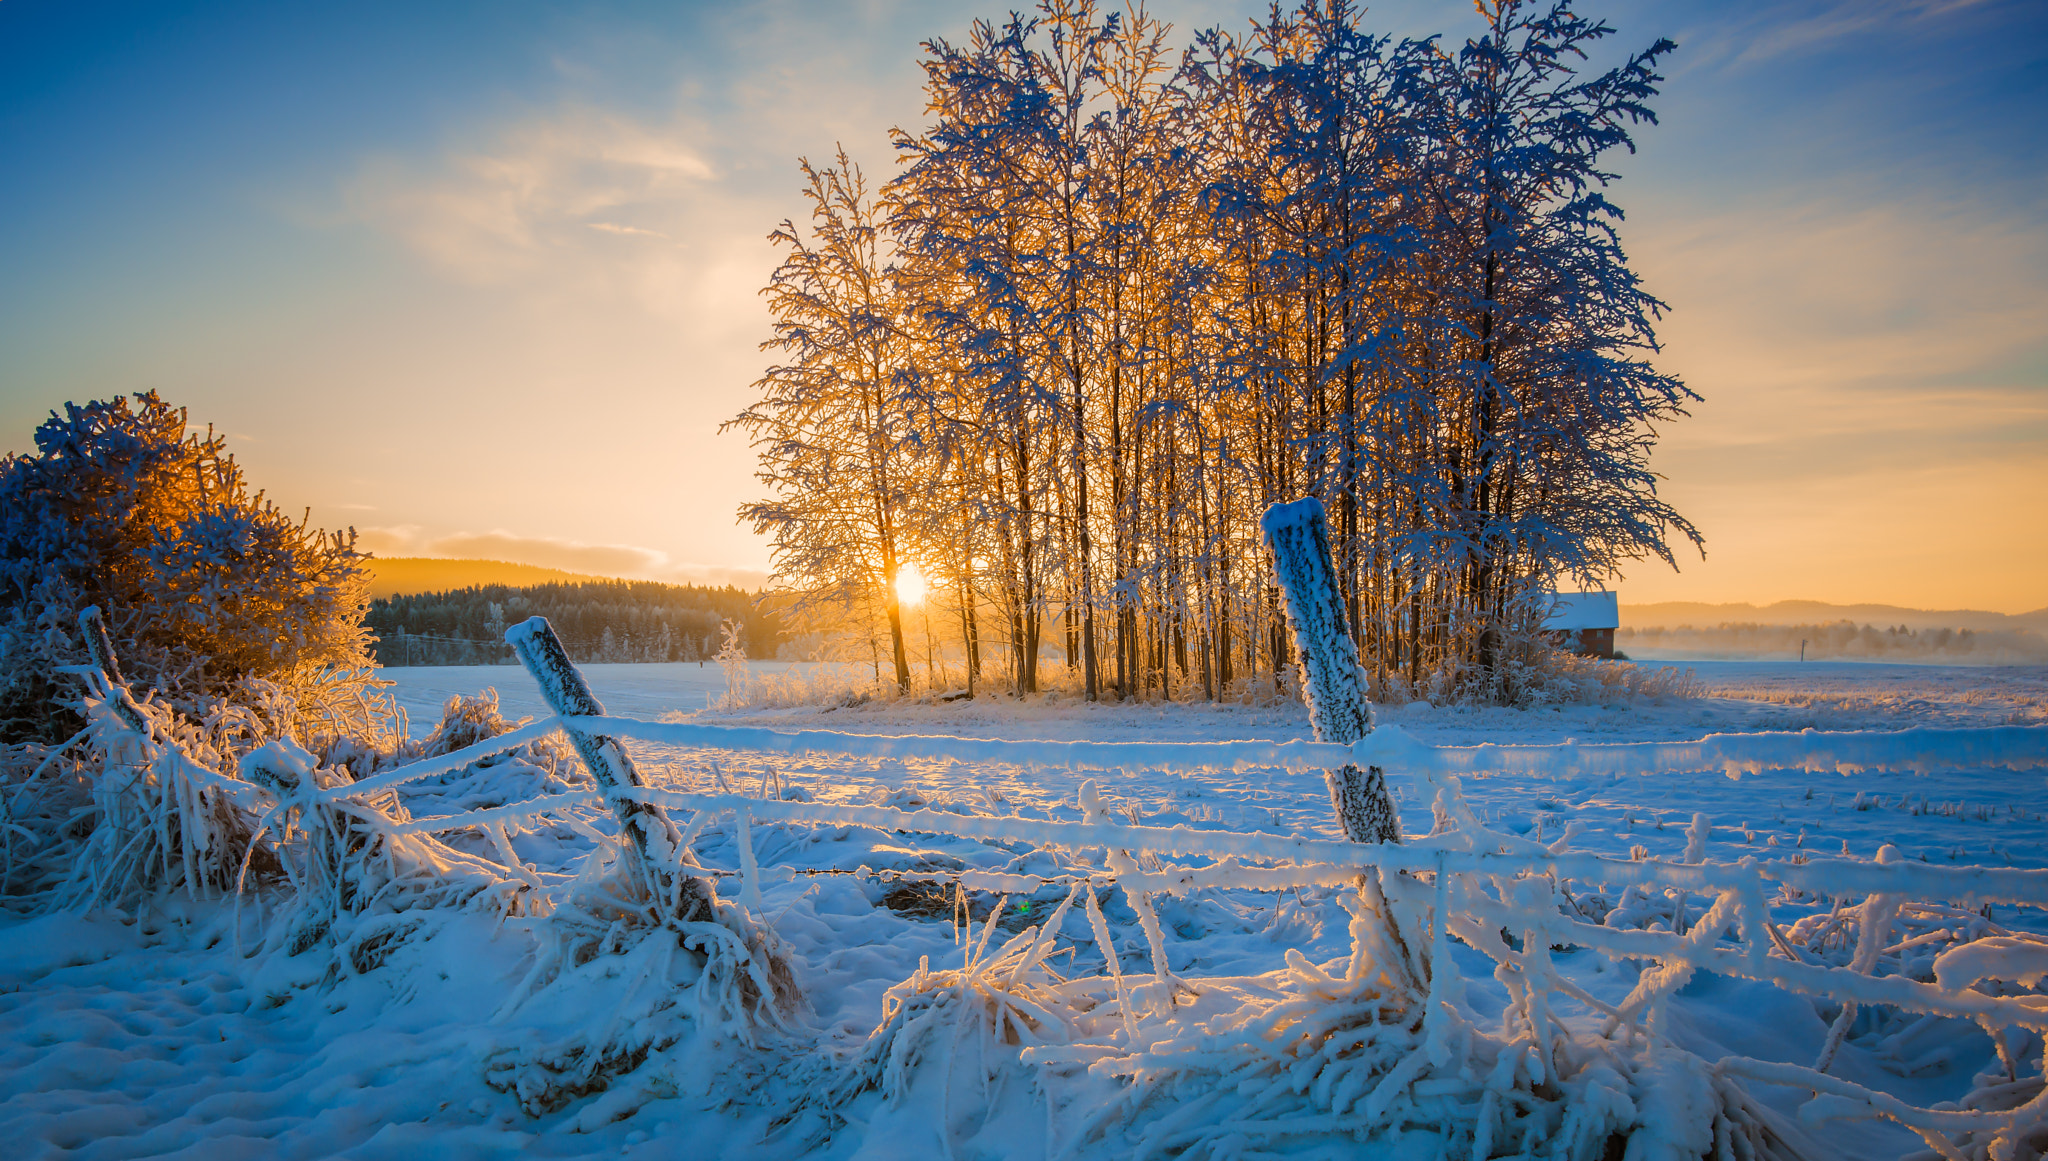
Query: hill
x,y
404,575
1671,614
1817,630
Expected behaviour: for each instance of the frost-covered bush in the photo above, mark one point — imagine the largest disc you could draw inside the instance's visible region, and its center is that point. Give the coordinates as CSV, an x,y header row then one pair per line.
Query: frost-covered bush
x,y
146,801
119,813
205,586
732,657
1529,671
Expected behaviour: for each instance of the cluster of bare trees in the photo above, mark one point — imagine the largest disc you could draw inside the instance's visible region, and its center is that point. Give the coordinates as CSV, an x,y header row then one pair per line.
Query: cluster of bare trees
x,y
1122,296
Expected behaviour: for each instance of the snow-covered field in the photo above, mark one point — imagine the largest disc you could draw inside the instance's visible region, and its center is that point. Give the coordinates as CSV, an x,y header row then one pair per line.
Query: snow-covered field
x,y
636,691
126,1036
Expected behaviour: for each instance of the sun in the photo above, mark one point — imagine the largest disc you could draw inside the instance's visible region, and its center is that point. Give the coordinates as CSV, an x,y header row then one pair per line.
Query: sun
x,y
910,585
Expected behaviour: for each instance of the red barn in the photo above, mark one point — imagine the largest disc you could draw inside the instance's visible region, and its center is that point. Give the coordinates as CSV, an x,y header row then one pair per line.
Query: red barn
x,y
1584,622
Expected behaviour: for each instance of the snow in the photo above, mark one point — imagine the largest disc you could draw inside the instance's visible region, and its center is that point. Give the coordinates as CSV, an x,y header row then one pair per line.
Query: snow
x,y
640,691
1594,610
149,1035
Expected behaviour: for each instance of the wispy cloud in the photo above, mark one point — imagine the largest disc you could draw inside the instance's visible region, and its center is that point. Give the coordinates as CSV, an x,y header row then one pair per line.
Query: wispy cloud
x,y
525,202
616,228
1774,31
1847,317
394,540
620,560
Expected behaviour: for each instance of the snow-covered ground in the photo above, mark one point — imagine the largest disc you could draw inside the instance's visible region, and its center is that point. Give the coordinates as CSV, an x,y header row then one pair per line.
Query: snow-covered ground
x,y
126,1036
637,691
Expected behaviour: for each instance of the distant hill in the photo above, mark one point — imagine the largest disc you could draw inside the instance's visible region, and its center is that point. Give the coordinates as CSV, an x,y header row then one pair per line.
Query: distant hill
x,y
1689,630
405,575
1671,614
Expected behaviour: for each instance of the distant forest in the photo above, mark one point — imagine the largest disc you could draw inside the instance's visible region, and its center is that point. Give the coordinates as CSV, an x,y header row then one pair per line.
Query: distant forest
x,y
1840,640
597,621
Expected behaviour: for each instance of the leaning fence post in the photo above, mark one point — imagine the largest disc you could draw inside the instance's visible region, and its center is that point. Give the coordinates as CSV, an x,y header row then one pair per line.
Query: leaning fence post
x,y
652,840
1331,681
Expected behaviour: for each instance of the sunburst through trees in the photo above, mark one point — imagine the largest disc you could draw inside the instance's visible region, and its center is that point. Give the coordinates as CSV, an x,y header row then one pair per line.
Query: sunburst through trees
x,y
1122,297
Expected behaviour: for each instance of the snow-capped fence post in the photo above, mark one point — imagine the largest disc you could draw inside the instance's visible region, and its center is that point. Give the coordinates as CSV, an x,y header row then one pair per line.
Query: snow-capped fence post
x,y
1331,681
652,841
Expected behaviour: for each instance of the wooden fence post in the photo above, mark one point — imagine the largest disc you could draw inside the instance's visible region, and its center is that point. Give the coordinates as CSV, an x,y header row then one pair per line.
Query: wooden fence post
x,y
1331,680
652,841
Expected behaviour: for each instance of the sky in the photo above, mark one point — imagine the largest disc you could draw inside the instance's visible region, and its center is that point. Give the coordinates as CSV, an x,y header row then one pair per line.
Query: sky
x,y
480,279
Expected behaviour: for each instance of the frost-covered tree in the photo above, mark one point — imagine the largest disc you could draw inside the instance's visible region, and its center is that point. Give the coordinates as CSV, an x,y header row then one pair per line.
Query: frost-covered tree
x,y
1142,299
971,214
1141,198
1542,328
202,584
831,426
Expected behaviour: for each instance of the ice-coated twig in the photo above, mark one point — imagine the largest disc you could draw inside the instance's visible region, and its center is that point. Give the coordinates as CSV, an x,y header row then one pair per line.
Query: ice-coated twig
x,y
1873,930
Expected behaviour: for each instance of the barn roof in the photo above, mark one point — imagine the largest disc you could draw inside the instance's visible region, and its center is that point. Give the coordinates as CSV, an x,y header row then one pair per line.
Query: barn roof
x,y
1599,610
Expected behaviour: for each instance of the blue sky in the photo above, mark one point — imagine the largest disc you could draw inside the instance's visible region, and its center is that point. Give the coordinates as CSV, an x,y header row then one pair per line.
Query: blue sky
x,y
479,278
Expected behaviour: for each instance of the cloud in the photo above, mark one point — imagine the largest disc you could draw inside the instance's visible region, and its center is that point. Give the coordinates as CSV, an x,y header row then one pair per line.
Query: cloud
x,y
615,228
1783,30
1832,338
550,552
1874,401
1824,290
397,540
620,560
533,201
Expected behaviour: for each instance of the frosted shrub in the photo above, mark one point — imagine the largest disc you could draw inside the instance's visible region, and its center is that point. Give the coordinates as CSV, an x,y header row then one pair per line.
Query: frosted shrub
x,y
732,657
467,720
1006,997
1532,672
1570,678
841,686
204,585
357,882
343,717
653,972
217,626
119,816
345,863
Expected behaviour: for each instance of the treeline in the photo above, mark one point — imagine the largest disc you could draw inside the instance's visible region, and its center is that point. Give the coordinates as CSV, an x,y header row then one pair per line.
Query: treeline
x,y
1123,296
597,621
1844,640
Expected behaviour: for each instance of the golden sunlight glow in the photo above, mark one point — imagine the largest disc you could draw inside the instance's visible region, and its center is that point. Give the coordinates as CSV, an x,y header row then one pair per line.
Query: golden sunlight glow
x,y
910,585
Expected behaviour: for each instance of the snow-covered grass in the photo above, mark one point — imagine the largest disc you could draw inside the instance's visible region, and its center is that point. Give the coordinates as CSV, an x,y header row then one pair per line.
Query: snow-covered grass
x,y
139,1034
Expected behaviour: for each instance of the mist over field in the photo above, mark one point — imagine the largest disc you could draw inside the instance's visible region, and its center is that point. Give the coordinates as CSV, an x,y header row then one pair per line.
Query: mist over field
x,y
1685,630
